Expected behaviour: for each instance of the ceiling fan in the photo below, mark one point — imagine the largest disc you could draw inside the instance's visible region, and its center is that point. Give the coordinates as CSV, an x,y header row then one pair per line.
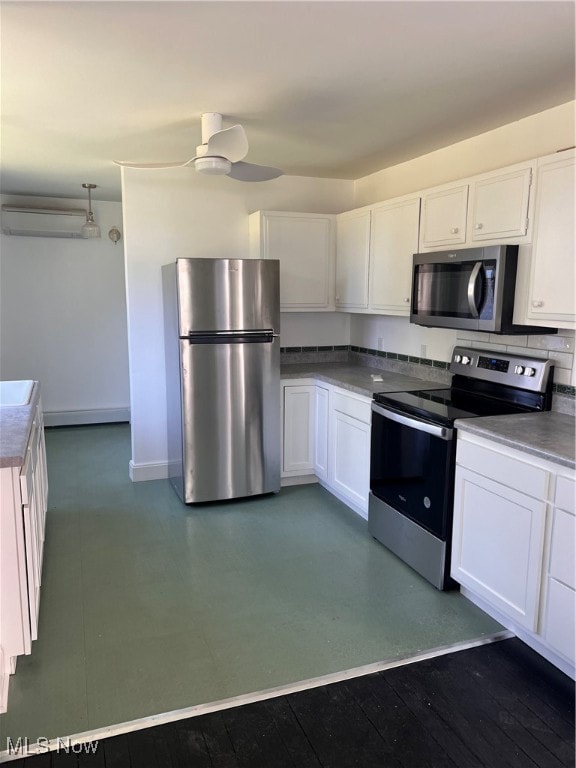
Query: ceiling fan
x,y
220,153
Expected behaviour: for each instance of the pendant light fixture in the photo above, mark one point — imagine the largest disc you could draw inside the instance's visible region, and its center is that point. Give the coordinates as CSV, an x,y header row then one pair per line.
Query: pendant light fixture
x,y
90,228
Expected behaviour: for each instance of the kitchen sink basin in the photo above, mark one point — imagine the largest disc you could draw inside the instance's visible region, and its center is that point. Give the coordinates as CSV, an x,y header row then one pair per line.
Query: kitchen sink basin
x,y
15,392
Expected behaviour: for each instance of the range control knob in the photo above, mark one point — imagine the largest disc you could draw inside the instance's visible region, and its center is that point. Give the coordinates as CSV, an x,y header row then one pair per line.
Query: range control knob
x,y
519,369
529,371
466,360
457,358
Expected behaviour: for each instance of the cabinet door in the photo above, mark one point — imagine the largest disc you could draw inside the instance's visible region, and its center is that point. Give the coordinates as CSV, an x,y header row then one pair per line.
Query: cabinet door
x,y
299,426
444,217
497,545
560,617
500,206
393,242
304,244
560,612
32,537
321,437
349,458
352,260
551,294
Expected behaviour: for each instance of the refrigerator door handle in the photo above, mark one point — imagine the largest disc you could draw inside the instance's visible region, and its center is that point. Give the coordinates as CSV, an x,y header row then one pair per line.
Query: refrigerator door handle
x,y
227,337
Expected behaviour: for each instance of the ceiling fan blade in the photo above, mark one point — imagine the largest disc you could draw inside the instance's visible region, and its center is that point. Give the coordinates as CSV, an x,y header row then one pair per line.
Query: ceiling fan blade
x,y
154,166
251,172
230,143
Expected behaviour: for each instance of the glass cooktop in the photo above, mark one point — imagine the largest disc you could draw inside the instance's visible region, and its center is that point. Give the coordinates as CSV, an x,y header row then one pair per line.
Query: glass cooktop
x,y
444,406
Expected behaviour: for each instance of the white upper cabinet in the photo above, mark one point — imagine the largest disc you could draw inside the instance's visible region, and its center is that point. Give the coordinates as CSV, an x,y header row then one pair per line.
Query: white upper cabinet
x,y
352,259
551,298
444,216
393,241
374,253
493,207
305,245
499,206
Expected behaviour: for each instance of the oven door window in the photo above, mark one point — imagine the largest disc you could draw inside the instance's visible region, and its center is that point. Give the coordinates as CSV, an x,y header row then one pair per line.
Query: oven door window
x,y
462,289
412,471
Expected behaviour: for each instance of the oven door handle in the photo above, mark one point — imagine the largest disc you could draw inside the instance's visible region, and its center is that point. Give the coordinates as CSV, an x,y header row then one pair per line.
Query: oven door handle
x,y
423,426
474,311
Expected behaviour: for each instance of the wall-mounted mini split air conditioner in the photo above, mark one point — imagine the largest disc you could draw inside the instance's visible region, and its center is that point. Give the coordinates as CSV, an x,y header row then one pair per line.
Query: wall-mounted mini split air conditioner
x,y
32,221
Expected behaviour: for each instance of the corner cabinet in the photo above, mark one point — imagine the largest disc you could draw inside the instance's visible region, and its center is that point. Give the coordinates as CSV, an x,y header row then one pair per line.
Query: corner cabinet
x,y
551,295
513,543
326,438
304,243
23,504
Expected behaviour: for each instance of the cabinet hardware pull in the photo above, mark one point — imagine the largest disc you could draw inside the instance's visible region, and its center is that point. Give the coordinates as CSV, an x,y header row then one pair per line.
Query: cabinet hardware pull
x,y
407,301
454,231
478,226
537,303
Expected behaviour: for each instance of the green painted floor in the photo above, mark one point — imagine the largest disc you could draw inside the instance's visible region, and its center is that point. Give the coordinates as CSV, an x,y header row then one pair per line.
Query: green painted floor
x,y
148,605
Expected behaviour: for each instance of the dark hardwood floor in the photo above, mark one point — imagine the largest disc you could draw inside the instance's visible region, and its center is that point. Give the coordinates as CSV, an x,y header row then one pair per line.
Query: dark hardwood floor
x,y
499,705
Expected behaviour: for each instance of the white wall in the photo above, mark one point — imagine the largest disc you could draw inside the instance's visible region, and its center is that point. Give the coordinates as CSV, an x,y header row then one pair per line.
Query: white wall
x,y
177,213
532,137
316,329
63,316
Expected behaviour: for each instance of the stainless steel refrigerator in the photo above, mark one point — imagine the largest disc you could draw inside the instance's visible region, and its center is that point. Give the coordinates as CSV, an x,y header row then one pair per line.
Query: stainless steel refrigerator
x,y
222,319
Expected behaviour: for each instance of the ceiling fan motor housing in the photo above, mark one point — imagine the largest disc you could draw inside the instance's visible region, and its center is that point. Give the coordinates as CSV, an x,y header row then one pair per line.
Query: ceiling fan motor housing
x,y
213,166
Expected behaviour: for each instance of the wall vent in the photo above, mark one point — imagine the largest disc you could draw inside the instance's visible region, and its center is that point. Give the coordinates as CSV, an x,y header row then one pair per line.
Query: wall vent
x,y
33,221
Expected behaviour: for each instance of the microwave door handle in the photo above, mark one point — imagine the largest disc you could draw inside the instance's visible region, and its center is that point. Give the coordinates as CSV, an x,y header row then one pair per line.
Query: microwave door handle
x,y
474,311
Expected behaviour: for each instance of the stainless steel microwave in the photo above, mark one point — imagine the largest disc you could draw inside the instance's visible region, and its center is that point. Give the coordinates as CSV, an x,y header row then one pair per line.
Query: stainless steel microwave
x,y
472,288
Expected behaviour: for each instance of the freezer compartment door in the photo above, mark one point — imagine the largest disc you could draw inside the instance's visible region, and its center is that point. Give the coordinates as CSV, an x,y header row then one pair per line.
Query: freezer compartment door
x,y
227,295
230,420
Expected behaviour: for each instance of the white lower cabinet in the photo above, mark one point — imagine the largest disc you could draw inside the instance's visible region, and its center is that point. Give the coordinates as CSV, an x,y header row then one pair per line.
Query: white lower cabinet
x,y
497,544
326,436
23,503
513,543
349,449
298,429
321,433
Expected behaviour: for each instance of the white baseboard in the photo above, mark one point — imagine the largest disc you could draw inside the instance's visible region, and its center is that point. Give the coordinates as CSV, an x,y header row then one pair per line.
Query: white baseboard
x,y
148,471
77,418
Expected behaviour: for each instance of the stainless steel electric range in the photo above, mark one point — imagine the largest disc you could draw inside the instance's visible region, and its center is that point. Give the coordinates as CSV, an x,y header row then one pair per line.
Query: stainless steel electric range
x,y
413,450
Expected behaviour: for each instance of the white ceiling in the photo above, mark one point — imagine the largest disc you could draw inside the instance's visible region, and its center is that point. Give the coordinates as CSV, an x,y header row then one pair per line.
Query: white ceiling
x,y
330,89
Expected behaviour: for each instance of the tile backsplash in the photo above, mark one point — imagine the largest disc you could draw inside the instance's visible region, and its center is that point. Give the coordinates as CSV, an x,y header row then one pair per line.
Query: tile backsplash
x,y
558,348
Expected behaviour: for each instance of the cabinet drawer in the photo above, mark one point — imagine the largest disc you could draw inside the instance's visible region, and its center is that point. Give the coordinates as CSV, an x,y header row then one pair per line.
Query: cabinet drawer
x,y
504,469
565,490
561,565
560,616
357,409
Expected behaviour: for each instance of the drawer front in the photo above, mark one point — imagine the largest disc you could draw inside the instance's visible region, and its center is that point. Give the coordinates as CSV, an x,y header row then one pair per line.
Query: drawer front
x,y
561,565
560,616
351,406
565,490
504,469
